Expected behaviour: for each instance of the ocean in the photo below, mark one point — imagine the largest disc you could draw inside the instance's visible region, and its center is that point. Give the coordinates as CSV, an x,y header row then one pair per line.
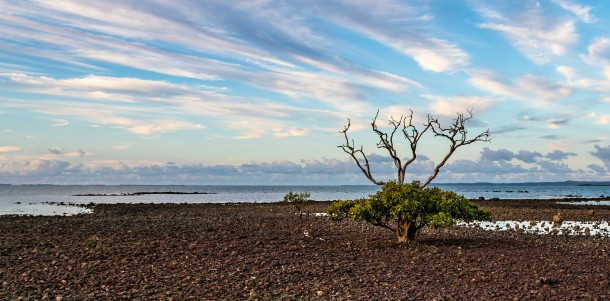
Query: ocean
x,y
54,199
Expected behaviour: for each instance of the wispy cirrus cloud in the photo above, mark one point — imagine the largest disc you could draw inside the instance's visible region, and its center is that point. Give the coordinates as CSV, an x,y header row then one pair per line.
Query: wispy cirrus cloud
x,y
583,12
599,55
449,106
60,122
401,27
539,35
218,48
148,107
536,90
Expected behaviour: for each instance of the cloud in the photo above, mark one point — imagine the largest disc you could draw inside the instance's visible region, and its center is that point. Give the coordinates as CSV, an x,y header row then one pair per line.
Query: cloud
x,y
598,52
582,12
528,156
395,24
492,165
602,153
508,129
138,105
449,106
55,150
163,126
471,167
555,167
558,155
291,132
551,137
555,123
603,119
539,37
597,168
489,81
498,155
60,123
500,163
328,166
9,149
35,168
259,44
536,90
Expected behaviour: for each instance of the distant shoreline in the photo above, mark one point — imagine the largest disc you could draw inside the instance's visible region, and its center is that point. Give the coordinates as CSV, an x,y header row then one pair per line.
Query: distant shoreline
x,y
555,183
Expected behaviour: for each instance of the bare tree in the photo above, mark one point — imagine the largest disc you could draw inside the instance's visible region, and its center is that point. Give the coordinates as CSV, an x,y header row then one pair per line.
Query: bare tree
x,y
456,134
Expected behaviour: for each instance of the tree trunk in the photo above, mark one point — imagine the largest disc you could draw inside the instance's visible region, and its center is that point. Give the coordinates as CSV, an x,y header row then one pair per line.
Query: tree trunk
x,y
406,232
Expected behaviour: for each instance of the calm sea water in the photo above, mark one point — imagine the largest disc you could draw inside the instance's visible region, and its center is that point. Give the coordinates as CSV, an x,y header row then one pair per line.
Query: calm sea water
x,y
44,199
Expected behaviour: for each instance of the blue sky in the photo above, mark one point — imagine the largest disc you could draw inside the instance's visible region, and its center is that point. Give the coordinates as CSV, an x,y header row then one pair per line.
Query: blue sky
x,y
256,92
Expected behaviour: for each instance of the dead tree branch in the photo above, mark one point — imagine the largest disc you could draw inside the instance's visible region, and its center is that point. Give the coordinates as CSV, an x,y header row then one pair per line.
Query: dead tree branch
x,y
350,149
456,134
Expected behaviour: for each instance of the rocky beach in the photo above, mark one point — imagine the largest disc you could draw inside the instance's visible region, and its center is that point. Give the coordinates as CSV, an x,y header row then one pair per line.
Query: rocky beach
x,y
252,251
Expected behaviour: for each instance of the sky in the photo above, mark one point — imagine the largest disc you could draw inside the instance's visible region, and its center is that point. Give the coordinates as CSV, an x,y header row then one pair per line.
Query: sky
x,y
257,92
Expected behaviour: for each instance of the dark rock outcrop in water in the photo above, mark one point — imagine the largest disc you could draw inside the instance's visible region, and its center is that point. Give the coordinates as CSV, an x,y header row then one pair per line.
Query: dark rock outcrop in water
x,y
142,193
266,252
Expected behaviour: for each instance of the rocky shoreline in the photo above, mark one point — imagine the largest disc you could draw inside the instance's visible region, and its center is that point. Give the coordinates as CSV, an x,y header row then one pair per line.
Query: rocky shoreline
x,y
266,252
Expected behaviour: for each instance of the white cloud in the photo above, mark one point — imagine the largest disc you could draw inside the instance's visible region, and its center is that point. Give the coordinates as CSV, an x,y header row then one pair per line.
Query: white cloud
x,y
33,168
9,149
582,12
489,81
147,107
541,89
291,132
536,90
599,55
60,123
492,165
438,56
163,126
555,123
449,106
400,27
566,71
602,120
538,37
599,52
85,31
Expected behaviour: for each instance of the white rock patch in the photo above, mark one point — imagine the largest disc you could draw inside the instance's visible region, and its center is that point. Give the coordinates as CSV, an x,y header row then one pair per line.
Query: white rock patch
x,y
597,228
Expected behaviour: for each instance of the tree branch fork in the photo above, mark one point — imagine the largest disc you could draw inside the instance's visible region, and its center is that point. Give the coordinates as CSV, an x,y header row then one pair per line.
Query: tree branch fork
x,y
456,134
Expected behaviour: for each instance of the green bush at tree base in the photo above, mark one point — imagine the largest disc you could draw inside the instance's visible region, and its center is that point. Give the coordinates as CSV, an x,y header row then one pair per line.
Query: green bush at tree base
x,y
405,208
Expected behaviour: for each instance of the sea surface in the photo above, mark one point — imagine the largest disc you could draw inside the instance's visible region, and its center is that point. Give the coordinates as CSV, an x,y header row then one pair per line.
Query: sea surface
x,y
56,199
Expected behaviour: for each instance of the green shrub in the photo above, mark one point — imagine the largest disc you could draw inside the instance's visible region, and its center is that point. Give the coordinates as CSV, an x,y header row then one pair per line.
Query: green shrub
x,y
296,199
405,208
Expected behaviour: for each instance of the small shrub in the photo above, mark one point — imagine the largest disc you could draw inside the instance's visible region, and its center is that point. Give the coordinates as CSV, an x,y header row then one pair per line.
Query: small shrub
x,y
296,199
